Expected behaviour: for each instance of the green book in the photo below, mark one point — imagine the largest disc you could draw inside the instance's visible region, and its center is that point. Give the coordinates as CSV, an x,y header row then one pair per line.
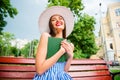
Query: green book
x,y
53,47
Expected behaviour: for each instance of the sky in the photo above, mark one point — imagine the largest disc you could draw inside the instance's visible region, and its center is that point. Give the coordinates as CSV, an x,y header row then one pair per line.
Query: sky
x,y
25,23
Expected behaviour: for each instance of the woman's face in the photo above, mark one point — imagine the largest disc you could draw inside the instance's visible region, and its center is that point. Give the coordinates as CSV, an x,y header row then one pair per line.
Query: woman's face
x,y
58,22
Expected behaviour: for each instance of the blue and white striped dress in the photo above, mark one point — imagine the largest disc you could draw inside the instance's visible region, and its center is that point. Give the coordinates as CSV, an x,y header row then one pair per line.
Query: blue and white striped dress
x,y
56,72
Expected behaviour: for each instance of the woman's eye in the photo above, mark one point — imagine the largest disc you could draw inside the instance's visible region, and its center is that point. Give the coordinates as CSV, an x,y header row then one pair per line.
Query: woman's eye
x,y
53,19
60,18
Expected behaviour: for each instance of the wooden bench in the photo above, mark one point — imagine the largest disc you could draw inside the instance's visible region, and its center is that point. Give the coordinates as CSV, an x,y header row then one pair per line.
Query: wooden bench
x,y
24,69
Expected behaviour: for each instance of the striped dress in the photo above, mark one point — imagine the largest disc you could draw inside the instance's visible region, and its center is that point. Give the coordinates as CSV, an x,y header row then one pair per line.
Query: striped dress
x,y
56,72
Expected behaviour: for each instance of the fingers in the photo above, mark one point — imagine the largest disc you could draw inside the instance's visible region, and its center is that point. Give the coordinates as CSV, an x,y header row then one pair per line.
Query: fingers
x,y
65,42
71,44
69,47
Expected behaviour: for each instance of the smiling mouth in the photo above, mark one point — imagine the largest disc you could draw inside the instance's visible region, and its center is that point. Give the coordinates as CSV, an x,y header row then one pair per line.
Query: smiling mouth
x,y
58,23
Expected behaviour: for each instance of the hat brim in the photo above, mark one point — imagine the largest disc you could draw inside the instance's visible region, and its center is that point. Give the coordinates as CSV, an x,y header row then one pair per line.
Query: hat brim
x,y
61,10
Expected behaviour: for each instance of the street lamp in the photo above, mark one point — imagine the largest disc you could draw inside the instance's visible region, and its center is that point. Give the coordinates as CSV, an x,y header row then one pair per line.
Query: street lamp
x,y
103,34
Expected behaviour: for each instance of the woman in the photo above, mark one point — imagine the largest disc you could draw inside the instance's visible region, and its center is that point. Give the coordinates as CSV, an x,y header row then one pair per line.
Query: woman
x,y
54,54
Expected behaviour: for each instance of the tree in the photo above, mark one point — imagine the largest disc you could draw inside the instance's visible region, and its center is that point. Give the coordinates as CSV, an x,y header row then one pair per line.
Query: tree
x,y
5,43
29,50
82,35
15,51
6,10
25,50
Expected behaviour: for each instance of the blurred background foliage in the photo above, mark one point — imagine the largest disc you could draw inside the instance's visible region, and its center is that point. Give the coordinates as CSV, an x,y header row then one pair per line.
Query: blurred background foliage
x,y
82,35
6,10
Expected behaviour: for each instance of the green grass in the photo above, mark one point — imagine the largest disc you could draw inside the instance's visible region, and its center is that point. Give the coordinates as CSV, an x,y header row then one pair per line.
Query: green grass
x,y
117,77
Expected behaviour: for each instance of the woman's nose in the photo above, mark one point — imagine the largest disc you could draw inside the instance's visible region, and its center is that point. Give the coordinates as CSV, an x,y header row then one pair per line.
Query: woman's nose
x,y
57,20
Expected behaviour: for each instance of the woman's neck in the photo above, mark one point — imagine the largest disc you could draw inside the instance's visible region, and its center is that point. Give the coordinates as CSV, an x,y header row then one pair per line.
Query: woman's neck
x,y
59,35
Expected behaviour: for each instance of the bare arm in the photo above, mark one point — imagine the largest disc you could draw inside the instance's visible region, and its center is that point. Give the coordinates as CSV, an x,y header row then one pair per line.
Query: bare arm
x,y
43,64
69,47
68,63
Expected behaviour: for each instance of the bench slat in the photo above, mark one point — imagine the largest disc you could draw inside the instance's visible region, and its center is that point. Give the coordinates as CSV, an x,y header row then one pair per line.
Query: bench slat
x,y
94,78
89,73
17,68
14,60
88,67
88,61
28,75
17,75
32,68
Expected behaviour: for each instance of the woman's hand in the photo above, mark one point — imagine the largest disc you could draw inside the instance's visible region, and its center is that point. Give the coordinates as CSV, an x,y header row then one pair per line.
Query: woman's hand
x,y
69,47
62,49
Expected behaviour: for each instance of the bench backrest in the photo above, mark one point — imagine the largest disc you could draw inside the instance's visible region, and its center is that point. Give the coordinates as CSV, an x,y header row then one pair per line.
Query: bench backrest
x,y
24,68
89,69
16,68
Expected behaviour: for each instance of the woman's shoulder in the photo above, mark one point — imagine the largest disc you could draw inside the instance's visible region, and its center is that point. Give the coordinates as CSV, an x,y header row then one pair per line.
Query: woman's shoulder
x,y
45,34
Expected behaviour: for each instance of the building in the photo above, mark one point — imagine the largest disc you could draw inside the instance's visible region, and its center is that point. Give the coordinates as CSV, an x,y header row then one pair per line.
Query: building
x,y
19,43
110,33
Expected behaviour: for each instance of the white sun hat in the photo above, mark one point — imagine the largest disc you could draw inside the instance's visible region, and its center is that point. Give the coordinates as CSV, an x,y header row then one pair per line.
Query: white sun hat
x,y
60,10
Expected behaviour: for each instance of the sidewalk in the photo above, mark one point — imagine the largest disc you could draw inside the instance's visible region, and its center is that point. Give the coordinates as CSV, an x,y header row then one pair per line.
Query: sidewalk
x,y
115,68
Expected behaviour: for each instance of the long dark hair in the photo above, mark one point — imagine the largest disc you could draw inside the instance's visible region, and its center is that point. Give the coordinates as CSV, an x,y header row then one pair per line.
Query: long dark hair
x,y
52,31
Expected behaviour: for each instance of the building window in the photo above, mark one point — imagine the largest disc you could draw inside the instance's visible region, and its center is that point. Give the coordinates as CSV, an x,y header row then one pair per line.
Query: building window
x,y
111,46
118,25
117,11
